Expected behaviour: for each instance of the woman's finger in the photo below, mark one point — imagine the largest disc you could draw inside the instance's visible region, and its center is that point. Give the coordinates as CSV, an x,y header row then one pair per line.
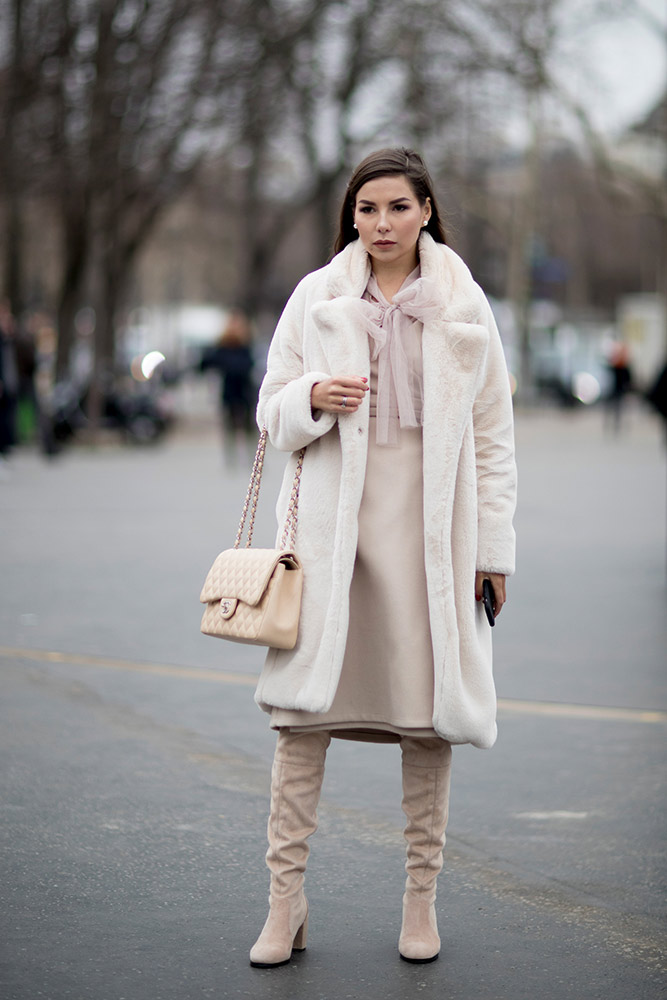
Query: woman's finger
x,y
499,589
339,394
348,394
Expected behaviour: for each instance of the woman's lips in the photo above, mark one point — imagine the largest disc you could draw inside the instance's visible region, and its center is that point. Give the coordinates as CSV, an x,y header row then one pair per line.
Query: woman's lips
x,y
384,243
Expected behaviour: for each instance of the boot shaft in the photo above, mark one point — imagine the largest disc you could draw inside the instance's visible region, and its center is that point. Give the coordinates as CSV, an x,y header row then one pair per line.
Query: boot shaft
x,y
296,783
426,770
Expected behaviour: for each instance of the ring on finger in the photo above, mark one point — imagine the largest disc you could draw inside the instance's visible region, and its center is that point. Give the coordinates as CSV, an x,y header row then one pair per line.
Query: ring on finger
x,y
344,402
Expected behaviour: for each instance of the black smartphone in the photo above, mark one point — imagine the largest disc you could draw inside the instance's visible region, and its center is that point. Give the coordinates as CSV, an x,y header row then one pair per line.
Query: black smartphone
x,y
489,601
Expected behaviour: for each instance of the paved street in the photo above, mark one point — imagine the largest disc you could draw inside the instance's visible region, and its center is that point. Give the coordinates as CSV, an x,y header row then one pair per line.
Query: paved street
x,y
135,764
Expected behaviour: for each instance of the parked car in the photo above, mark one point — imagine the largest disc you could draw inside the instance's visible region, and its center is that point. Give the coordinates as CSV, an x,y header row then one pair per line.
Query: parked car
x,y
572,377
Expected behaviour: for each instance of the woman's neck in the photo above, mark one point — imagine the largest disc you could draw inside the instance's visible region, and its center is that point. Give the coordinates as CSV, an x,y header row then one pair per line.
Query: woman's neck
x,y
390,277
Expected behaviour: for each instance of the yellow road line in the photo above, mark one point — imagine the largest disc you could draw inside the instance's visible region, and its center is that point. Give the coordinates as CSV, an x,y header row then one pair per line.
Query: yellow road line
x,y
509,705
161,669
563,710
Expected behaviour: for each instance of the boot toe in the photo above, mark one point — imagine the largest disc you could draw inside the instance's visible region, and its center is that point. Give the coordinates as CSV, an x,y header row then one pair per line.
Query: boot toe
x,y
419,951
268,958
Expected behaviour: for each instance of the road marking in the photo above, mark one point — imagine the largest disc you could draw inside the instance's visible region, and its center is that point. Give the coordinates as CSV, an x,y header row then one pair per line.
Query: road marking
x,y
510,705
563,710
161,669
554,814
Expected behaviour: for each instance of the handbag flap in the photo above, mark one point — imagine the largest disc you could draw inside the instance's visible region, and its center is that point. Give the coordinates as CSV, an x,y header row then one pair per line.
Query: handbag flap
x,y
243,574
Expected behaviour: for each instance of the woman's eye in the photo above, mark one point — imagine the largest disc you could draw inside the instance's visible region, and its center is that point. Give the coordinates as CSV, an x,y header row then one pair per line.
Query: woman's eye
x,y
400,208
366,209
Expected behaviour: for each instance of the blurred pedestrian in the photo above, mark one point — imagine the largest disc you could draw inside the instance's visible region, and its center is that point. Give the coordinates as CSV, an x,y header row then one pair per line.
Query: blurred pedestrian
x,y
26,365
9,380
387,366
621,383
232,358
657,396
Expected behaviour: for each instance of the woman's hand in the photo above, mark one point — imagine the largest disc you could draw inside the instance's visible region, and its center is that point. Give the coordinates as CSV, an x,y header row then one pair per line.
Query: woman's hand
x,y
340,394
498,584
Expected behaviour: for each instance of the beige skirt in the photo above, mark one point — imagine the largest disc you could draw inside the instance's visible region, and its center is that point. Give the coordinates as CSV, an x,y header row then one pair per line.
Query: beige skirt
x,y
386,685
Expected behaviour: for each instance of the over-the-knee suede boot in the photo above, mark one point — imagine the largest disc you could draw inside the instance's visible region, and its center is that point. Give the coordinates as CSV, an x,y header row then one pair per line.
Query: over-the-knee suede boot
x,y
426,776
296,782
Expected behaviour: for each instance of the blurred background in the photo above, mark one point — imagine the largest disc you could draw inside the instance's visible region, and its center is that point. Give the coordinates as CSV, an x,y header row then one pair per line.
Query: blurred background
x,y
164,164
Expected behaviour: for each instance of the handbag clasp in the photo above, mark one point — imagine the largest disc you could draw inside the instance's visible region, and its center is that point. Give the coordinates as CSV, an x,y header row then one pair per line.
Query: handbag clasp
x,y
228,606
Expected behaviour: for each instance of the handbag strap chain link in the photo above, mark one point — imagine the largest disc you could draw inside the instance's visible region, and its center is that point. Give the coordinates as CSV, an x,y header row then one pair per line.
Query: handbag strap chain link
x,y
252,496
289,531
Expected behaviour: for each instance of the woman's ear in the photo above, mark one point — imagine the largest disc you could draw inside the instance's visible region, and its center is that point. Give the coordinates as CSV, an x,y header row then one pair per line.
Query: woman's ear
x,y
427,211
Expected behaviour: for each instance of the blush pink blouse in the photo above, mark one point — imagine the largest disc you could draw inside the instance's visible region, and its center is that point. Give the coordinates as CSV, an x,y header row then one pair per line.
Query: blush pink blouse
x,y
395,330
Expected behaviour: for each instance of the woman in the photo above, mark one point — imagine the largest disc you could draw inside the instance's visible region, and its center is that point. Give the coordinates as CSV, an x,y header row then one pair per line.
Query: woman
x,y
388,367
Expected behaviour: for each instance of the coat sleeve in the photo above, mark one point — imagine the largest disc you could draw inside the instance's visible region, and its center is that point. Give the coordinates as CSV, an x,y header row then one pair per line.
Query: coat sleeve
x,y
494,452
284,396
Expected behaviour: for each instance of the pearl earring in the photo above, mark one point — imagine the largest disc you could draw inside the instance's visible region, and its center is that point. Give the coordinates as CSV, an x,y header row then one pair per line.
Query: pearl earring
x,y
425,222
354,225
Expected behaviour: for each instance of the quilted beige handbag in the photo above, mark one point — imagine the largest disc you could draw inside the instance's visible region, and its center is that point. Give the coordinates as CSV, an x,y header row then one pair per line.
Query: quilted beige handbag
x,y
254,595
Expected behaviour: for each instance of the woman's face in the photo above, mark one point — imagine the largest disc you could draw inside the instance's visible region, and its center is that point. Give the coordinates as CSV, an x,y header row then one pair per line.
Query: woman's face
x,y
389,218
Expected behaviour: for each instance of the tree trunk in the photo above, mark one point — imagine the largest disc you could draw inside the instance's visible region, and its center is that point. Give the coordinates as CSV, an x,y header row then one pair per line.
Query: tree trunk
x,y
11,179
75,254
519,279
325,208
13,276
114,270
257,254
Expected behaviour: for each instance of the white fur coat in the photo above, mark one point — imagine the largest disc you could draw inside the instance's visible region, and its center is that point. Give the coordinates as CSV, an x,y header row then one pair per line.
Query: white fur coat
x,y
469,482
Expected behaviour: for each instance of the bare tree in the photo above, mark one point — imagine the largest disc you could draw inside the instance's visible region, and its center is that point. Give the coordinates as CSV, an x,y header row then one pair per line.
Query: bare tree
x,y
111,108
117,107
342,79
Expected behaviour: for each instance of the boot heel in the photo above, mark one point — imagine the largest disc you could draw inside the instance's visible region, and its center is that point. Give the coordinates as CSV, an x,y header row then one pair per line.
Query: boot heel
x,y
301,936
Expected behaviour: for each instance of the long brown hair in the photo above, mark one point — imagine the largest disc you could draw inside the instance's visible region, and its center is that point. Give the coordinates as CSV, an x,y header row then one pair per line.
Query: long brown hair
x,y
383,162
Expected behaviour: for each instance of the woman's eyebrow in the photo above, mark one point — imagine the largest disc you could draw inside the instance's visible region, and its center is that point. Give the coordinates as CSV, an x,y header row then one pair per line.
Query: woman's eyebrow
x,y
394,201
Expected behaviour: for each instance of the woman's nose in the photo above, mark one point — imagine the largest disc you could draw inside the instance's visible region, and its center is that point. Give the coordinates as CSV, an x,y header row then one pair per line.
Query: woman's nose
x,y
383,222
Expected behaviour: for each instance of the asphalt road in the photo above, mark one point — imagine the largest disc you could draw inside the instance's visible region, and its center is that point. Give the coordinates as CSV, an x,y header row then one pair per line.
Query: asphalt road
x,y
136,765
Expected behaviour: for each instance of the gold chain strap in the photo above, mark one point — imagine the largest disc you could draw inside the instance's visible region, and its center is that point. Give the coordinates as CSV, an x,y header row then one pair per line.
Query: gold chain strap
x,y
252,496
289,531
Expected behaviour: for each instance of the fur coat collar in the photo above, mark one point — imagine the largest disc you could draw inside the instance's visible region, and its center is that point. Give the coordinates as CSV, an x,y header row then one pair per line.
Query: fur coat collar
x,y
349,271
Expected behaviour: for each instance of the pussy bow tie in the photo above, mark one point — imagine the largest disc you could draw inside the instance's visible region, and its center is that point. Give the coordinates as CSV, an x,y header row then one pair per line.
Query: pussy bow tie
x,y
395,402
